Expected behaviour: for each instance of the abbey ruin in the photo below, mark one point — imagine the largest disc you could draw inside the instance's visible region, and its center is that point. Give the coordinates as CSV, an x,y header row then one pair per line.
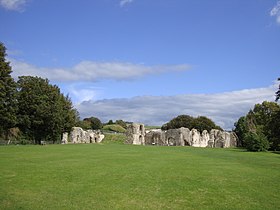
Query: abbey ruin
x,y
78,135
136,134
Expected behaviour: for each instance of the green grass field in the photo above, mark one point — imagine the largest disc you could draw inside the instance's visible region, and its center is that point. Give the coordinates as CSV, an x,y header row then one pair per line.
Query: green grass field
x,y
117,176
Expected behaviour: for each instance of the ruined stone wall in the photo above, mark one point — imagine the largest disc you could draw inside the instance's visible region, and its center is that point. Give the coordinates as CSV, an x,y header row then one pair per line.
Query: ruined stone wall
x,y
135,134
181,137
78,135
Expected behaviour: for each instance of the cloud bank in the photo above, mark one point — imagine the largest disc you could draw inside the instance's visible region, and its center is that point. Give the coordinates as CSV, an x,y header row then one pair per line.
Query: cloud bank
x,y
93,71
16,5
276,12
224,108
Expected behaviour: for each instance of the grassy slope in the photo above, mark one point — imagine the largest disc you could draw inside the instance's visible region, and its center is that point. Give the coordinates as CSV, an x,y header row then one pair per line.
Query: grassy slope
x,y
115,176
114,128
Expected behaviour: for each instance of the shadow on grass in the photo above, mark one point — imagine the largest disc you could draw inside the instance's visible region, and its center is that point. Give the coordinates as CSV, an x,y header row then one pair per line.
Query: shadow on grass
x,y
241,149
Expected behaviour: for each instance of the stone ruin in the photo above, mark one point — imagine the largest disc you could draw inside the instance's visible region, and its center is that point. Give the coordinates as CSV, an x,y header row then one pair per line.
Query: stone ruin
x,y
136,134
78,135
180,137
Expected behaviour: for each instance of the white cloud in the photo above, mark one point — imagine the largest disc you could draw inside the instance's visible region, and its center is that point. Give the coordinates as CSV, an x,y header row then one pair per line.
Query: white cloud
x,y
16,5
223,108
81,91
125,2
276,12
93,71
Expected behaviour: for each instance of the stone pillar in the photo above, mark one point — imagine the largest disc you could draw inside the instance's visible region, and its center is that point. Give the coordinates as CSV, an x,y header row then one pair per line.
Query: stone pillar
x,y
64,138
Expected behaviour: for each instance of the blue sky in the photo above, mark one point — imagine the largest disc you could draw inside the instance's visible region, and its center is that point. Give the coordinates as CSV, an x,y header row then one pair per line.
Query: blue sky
x,y
149,61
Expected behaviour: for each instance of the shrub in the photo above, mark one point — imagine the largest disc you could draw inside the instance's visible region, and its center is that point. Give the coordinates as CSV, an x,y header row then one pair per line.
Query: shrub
x,y
256,142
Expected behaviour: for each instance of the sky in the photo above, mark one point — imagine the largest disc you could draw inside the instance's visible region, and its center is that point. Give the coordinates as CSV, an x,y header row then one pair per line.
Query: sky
x,y
149,61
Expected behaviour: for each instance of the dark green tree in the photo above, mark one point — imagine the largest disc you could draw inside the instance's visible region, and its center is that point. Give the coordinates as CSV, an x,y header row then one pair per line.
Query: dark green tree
x,y
121,123
44,113
94,122
241,128
110,122
203,123
178,122
187,121
256,142
263,120
8,102
274,131
84,124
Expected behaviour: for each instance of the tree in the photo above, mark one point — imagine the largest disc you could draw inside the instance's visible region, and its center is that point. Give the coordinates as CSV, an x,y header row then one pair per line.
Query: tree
x,y
201,123
241,128
274,131
110,122
278,92
178,122
84,124
256,142
44,113
8,102
121,123
263,120
94,123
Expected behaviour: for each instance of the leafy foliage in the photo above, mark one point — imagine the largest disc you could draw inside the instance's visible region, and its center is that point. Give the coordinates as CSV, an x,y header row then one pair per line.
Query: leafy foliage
x,y
36,107
201,123
92,123
256,142
8,91
121,123
263,121
274,130
241,128
44,113
110,122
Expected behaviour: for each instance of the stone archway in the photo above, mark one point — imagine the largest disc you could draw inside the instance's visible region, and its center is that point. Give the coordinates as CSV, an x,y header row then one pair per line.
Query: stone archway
x,y
186,143
141,139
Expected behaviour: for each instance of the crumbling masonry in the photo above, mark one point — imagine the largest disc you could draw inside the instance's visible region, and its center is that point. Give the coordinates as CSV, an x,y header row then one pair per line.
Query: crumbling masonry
x,y
78,135
180,137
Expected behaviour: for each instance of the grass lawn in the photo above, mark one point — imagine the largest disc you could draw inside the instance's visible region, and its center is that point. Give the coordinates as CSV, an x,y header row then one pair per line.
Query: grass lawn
x,y
117,176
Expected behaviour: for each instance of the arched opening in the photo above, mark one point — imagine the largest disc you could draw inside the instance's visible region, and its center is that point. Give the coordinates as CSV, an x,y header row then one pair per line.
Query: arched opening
x,y
186,143
140,139
219,144
90,139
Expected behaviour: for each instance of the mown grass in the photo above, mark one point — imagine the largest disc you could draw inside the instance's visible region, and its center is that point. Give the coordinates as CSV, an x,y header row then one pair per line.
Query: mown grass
x,y
118,176
118,138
